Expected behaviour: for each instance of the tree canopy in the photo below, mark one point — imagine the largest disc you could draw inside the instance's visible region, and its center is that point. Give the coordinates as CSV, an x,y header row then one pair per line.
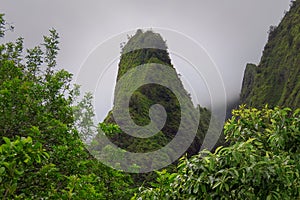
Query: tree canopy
x,y
41,154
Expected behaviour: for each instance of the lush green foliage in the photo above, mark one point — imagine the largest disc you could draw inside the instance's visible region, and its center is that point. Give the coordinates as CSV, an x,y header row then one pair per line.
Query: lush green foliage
x,y
41,154
276,80
262,162
18,159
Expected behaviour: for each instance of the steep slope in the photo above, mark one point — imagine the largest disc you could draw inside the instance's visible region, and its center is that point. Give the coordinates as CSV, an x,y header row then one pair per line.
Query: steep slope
x,y
276,80
148,48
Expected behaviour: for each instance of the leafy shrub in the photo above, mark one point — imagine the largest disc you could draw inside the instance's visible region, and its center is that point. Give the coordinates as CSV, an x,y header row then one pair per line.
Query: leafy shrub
x,y
17,158
262,161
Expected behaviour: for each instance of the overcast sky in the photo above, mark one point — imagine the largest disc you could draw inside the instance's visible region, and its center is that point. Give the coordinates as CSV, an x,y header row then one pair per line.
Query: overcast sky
x,y
233,32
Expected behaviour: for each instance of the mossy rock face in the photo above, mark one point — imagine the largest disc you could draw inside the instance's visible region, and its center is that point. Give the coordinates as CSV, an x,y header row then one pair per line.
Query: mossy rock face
x,y
248,81
276,80
145,49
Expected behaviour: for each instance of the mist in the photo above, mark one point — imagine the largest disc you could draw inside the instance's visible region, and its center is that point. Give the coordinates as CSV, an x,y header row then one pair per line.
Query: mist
x,y
231,32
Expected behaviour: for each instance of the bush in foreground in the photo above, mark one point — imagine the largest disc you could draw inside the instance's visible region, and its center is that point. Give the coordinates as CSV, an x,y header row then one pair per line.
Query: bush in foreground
x,y
261,162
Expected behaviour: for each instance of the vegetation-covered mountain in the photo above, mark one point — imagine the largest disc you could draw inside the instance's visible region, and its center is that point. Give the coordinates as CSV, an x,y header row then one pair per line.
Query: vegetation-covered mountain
x,y
145,49
276,80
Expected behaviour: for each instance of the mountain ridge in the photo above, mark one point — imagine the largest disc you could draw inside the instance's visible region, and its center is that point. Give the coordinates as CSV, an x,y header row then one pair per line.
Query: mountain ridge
x,y
276,79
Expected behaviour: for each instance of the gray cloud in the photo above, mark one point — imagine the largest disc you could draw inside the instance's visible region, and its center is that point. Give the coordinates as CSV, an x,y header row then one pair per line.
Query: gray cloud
x,y
233,32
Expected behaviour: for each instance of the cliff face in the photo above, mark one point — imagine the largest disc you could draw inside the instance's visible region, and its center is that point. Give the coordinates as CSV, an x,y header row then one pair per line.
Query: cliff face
x,y
153,49
276,80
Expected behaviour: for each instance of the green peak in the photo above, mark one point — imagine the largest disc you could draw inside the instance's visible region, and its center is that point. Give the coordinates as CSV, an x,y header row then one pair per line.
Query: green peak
x,y
142,48
144,40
